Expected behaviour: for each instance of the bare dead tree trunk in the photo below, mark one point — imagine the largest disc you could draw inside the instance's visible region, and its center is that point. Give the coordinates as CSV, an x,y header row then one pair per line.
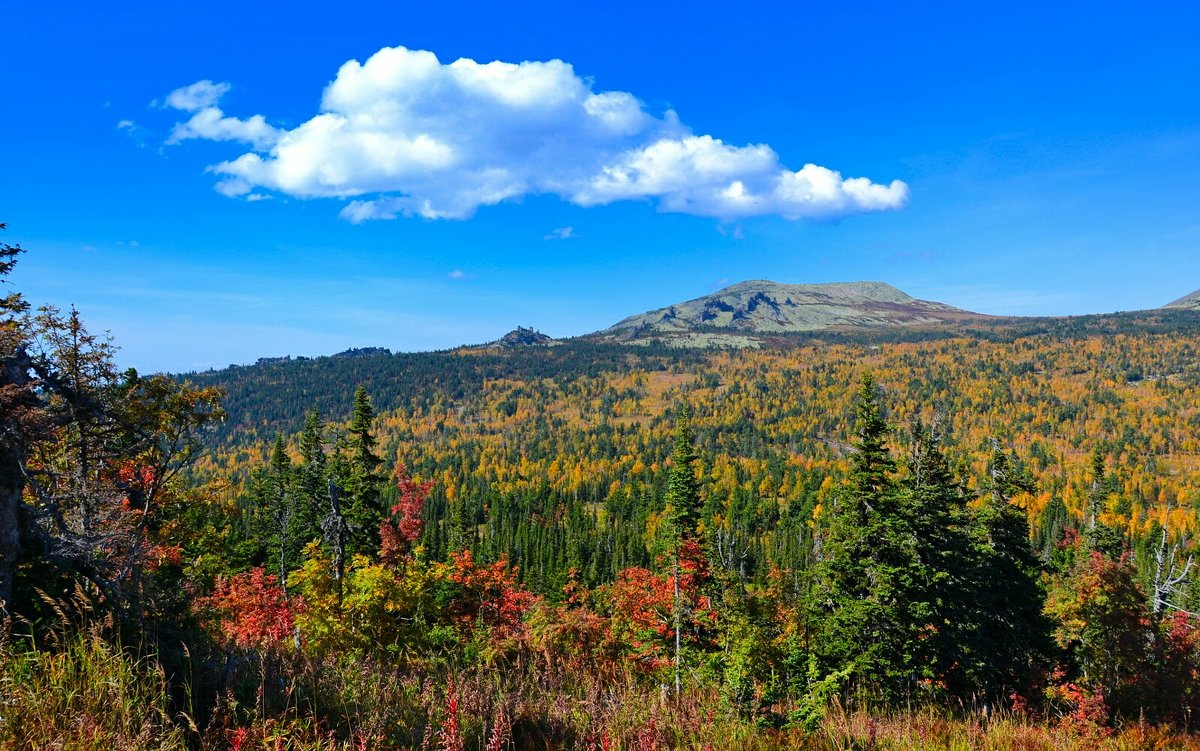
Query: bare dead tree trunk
x,y
1167,575
678,614
17,399
335,528
12,485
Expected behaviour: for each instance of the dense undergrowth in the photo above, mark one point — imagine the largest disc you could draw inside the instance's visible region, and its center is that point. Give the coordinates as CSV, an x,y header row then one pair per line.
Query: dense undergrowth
x,y
82,692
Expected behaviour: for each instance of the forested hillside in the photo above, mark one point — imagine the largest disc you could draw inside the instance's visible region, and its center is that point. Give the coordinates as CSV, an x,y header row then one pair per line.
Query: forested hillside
x,y
529,450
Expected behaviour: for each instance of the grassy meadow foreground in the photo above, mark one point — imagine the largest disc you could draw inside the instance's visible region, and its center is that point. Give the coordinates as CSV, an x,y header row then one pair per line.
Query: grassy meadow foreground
x,y
952,539
86,694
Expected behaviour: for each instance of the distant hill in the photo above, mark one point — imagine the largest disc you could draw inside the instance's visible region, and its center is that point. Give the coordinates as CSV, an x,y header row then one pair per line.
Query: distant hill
x,y
521,337
764,307
1187,302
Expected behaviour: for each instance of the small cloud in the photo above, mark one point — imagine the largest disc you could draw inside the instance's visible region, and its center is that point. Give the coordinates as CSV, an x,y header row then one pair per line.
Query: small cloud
x,y
198,96
719,284
209,123
457,274
135,132
561,233
252,197
731,230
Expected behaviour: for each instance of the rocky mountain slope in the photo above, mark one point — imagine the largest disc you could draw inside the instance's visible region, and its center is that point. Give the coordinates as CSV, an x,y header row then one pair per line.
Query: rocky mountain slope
x,y
764,307
1187,302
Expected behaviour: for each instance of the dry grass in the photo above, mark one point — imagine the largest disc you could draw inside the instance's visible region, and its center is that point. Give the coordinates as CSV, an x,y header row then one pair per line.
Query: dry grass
x,y
85,694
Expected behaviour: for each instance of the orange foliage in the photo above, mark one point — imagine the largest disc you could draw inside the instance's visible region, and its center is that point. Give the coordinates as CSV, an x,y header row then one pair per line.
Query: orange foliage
x,y
489,595
251,609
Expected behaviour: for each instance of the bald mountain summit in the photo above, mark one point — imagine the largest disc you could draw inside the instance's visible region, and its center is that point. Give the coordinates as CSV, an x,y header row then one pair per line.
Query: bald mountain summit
x,y
743,312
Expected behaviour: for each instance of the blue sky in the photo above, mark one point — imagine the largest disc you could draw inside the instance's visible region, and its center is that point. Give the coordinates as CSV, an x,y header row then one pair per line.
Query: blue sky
x,y
1017,159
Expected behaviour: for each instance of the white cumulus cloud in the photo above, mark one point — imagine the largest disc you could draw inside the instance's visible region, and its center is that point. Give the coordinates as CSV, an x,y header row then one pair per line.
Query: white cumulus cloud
x,y
404,134
209,123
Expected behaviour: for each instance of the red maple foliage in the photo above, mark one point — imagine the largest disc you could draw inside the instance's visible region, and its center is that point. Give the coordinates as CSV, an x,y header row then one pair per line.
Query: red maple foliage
x,y
642,605
693,567
1177,679
252,609
137,478
490,595
397,535
1087,711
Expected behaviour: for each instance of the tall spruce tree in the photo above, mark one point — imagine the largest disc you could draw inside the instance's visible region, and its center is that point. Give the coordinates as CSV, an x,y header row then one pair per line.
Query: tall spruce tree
x,y
361,480
268,529
1012,640
934,502
682,517
312,480
868,575
683,489
1102,538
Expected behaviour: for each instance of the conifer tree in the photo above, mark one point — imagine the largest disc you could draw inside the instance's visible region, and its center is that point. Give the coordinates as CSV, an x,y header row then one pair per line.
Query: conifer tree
x,y
866,577
1101,537
935,502
1013,635
312,480
683,489
361,479
18,408
682,516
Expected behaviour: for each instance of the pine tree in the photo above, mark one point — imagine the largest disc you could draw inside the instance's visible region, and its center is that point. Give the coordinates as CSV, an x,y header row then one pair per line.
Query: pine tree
x,y
867,574
312,480
274,502
683,489
1102,538
934,502
361,479
19,422
682,517
1013,636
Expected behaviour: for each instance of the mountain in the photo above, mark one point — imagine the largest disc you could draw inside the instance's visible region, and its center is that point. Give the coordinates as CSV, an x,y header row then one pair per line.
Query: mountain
x,y
763,307
1187,302
521,337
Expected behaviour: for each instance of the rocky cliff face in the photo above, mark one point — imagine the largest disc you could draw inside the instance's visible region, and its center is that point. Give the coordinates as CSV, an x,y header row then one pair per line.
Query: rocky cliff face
x,y
522,337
